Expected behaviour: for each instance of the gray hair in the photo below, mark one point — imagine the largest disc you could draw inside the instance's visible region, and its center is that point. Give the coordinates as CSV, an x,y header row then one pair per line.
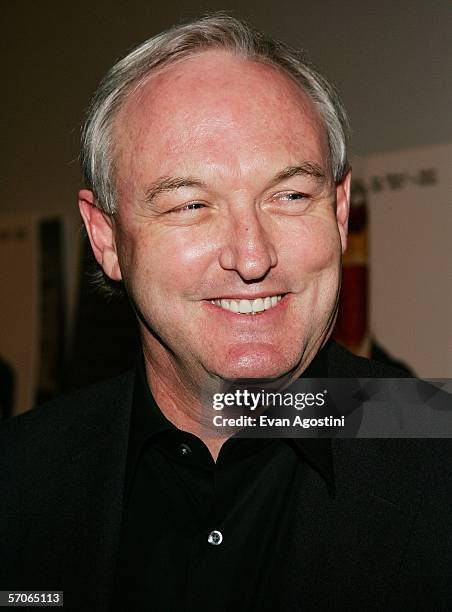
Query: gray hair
x,y
215,31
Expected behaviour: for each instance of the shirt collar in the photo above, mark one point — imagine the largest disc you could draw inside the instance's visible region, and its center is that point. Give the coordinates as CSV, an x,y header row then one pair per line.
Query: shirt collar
x,y
147,421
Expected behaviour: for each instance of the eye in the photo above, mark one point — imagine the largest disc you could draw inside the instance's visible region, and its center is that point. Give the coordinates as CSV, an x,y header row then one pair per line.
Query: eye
x,y
290,202
291,196
291,199
192,206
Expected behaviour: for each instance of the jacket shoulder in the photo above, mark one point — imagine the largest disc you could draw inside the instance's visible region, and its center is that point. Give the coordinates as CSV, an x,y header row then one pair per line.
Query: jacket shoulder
x,y
344,364
83,406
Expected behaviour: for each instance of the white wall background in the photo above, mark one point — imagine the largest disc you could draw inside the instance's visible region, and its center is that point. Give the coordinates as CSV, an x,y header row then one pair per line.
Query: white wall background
x,y
410,259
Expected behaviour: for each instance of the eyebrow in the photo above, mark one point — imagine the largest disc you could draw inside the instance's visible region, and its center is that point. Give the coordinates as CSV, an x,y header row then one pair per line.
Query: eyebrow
x,y
166,184
310,169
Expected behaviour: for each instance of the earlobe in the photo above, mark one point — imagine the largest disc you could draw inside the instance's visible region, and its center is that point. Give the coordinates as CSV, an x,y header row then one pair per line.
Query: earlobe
x,y
343,207
99,227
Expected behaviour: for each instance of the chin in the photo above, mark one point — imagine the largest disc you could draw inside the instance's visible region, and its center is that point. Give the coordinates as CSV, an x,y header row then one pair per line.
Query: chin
x,y
261,362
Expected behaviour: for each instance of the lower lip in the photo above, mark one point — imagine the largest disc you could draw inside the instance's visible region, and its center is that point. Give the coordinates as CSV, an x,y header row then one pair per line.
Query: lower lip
x,y
261,317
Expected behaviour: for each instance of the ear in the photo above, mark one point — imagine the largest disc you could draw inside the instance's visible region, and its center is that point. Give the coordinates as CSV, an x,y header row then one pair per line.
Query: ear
x,y
343,207
100,230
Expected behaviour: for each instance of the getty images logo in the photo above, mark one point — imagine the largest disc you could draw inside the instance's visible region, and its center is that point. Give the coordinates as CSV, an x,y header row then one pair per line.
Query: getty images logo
x,y
243,398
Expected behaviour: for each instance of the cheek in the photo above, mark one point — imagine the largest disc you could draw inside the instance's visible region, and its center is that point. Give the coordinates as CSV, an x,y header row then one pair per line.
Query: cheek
x,y
166,261
315,249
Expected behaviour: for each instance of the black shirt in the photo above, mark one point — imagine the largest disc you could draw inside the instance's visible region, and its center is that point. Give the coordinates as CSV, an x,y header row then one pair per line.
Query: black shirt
x,y
199,535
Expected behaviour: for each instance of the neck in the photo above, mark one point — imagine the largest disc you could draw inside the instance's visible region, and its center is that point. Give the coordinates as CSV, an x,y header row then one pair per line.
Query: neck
x,y
183,399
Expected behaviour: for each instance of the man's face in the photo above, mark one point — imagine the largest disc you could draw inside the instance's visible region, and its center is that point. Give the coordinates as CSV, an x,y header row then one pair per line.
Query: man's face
x,y
226,197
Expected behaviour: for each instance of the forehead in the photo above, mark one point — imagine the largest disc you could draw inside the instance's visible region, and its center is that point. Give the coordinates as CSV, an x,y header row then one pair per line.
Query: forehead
x,y
216,108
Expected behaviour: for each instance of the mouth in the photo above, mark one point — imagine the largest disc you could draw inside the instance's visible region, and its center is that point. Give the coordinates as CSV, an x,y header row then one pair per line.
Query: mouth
x,y
248,307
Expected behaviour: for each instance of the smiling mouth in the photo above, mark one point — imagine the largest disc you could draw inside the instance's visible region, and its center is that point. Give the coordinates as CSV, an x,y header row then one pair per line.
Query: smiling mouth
x,y
249,307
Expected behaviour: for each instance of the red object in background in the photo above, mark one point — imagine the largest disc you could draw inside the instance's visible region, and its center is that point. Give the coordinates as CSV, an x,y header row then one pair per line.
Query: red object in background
x,y
351,326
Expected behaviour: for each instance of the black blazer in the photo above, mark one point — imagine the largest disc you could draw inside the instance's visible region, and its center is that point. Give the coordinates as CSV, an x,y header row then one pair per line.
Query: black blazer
x,y
384,542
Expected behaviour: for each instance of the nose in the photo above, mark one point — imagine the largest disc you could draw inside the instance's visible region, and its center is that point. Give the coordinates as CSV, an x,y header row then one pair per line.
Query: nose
x,y
247,247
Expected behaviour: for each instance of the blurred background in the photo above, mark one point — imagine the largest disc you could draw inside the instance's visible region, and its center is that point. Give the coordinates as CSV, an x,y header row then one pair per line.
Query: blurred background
x,y
391,62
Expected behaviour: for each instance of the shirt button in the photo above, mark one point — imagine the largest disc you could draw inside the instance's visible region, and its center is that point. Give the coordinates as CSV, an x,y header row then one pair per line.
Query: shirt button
x,y
215,538
184,450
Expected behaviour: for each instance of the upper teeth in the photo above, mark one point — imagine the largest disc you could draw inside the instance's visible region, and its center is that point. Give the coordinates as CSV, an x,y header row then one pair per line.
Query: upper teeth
x,y
248,306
